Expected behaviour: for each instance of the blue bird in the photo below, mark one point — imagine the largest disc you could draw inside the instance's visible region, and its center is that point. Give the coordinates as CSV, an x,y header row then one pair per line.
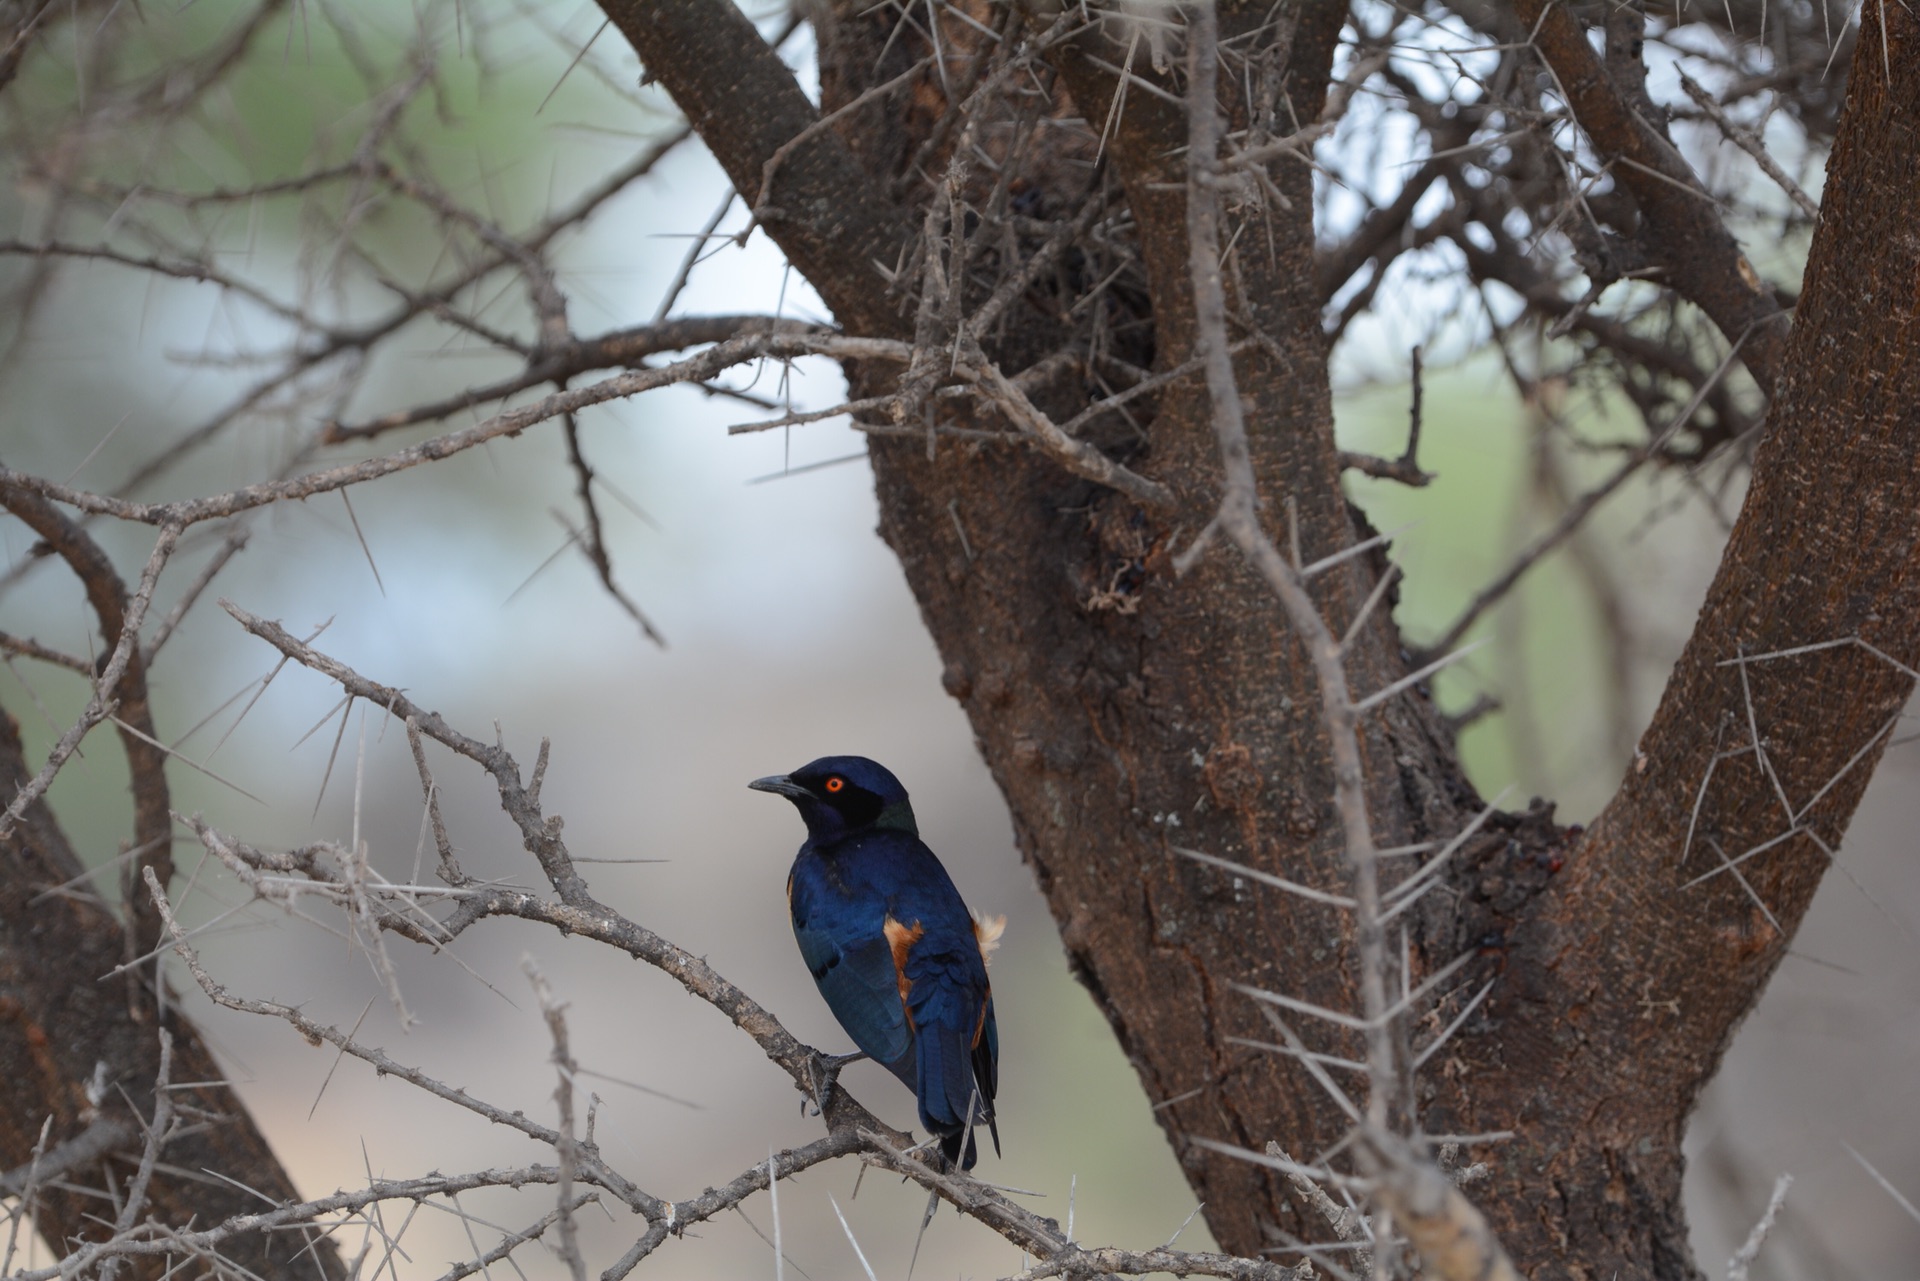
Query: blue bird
x,y
900,960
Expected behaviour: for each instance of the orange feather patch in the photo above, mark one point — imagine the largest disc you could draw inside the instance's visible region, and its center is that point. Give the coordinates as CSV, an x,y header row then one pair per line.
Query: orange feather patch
x,y
901,939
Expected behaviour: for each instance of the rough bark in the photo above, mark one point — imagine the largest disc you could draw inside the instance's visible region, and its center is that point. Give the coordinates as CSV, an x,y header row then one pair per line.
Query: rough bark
x,y
1126,711
78,1056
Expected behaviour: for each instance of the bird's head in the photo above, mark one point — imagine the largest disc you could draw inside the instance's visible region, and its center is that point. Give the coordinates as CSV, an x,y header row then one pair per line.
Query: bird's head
x,y
839,795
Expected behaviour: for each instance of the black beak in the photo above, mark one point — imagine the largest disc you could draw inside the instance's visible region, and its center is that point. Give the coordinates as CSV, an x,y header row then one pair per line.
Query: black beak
x,y
781,785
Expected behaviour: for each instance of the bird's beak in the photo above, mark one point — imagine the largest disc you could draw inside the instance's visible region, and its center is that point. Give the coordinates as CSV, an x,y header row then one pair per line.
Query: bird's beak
x,y
780,784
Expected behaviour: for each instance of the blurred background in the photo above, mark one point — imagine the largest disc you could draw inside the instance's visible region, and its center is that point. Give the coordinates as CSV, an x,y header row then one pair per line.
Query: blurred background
x,y
790,634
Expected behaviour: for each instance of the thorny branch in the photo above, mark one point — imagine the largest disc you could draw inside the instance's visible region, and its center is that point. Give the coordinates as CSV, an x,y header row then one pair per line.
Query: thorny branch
x,y
1688,238
713,360
105,700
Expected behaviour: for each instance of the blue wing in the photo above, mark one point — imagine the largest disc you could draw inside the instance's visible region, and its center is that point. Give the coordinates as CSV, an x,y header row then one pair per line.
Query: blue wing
x,y
847,952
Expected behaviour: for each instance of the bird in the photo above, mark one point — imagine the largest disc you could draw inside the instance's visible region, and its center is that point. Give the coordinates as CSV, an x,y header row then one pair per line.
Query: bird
x,y
895,951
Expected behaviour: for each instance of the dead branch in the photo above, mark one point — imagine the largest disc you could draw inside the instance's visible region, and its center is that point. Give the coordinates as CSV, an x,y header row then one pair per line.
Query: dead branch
x,y
698,368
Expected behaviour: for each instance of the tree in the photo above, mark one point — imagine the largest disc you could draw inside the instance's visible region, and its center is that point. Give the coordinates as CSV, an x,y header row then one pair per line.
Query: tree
x,y
1086,315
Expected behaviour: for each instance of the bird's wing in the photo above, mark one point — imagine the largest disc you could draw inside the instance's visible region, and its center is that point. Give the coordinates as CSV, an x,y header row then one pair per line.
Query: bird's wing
x,y
986,1065
852,963
987,1055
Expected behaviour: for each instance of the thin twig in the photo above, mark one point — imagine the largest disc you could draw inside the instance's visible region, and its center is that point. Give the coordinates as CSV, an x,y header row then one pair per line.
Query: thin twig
x,y
565,1147
1744,139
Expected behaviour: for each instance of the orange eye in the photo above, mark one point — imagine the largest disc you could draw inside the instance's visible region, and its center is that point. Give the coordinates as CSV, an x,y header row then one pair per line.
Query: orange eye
x,y
836,783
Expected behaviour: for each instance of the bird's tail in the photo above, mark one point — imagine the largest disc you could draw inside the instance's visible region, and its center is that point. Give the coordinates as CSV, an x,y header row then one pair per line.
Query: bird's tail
x,y
951,1145
951,1099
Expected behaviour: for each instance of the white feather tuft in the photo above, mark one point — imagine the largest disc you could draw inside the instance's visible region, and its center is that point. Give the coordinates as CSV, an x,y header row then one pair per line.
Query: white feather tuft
x,y
987,930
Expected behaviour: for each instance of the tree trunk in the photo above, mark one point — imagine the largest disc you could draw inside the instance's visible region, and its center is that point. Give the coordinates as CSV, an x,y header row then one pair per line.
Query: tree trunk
x,y
1128,712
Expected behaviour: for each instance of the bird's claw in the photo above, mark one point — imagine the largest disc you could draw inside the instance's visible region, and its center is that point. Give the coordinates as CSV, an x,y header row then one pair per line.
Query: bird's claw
x,y
824,1071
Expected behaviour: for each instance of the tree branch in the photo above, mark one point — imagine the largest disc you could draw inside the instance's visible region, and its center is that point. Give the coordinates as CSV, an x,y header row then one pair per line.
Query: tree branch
x,y
1685,233
696,368
830,218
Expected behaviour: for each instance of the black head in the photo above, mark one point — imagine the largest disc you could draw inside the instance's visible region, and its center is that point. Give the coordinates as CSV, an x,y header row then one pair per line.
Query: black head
x,y
839,795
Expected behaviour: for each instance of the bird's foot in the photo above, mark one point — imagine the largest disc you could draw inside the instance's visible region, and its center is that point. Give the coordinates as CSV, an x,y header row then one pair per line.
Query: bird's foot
x,y
824,1072
927,1150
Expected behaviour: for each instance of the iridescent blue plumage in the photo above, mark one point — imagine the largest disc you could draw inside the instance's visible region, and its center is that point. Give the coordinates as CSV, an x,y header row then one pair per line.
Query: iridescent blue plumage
x,y
900,961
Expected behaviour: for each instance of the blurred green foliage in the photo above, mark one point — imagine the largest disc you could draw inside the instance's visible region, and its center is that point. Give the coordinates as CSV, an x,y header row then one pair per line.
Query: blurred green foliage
x,y
1566,719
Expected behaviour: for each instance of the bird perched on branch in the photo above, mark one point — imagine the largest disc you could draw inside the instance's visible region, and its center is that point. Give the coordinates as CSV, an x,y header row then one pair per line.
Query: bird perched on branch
x,y
901,961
